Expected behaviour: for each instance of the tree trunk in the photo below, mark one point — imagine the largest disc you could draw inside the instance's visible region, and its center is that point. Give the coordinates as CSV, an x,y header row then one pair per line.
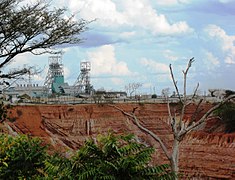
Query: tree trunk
x,y
175,157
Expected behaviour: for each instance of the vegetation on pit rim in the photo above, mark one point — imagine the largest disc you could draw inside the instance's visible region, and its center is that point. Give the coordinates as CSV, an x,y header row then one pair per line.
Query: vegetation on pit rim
x,y
109,157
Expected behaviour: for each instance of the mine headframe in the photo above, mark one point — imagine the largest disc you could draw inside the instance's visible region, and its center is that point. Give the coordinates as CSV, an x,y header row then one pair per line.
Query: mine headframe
x,y
55,75
82,85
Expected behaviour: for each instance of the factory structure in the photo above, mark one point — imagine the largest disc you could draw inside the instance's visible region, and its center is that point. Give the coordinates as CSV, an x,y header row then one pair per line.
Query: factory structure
x,y
54,84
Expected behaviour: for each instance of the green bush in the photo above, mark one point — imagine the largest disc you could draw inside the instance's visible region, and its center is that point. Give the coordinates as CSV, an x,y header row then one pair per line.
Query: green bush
x,y
227,114
58,167
117,157
107,157
154,96
21,157
3,111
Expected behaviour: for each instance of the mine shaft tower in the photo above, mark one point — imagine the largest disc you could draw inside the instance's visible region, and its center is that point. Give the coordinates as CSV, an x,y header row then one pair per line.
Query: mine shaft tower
x,y
83,84
55,75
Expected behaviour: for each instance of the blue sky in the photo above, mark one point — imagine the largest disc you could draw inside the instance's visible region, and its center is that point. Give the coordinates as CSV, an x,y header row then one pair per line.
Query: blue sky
x,y
136,40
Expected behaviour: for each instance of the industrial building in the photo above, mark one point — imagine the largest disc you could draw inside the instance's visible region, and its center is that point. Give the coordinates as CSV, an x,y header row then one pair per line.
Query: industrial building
x,y
55,85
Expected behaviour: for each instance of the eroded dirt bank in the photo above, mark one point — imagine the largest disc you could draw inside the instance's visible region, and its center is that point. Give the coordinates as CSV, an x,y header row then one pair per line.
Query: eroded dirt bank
x,y
203,154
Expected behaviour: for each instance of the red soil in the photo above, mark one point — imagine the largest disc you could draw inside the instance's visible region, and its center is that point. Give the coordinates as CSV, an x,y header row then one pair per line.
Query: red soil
x,y
203,154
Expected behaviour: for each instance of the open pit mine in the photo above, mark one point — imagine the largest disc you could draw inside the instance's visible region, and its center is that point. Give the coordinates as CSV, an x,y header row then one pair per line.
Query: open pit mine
x,y
206,153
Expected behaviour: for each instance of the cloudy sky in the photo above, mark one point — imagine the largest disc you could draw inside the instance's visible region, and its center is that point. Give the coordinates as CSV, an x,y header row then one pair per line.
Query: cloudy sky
x,y
136,40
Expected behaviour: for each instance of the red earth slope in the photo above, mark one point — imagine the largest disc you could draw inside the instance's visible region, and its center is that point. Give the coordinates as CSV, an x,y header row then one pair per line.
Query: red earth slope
x,y
203,154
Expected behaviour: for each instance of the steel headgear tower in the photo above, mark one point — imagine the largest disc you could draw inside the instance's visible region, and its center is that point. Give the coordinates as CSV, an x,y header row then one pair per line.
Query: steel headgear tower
x,y
55,75
83,84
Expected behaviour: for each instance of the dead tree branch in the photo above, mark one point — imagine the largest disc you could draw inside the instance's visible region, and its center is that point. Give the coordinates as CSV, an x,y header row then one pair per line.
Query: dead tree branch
x,y
154,136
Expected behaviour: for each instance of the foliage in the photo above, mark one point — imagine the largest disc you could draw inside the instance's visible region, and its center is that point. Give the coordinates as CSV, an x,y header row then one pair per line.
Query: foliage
x,y
227,114
57,167
154,96
229,92
20,157
34,28
3,111
117,157
109,157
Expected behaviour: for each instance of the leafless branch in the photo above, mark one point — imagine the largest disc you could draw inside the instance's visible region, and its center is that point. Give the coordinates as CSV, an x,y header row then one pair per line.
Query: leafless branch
x,y
206,115
195,91
172,119
175,83
154,136
196,112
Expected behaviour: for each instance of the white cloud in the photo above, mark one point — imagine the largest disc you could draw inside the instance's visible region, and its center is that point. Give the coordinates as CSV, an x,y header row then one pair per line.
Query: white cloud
x,y
229,60
212,59
155,66
131,13
127,34
211,62
66,72
170,55
227,42
171,2
103,61
20,60
140,13
104,11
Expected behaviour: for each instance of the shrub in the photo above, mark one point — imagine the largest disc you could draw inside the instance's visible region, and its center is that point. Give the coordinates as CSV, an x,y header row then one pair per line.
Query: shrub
x,y
109,157
20,157
117,157
227,114
154,96
3,111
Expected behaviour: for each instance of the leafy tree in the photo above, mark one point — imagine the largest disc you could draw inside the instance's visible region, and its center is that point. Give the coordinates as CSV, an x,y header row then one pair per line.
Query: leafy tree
x,y
154,96
57,167
109,157
21,157
117,157
229,92
35,28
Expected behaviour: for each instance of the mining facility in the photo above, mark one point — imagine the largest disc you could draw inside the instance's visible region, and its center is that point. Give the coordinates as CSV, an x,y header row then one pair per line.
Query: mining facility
x,y
56,89
54,84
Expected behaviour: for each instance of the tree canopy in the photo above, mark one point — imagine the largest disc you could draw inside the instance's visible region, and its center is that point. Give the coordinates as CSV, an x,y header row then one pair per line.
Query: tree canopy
x,y
117,157
36,28
108,157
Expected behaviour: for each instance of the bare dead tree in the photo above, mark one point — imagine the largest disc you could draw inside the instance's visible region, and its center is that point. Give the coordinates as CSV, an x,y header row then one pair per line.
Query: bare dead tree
x,y
179,126
34,28
132,87
165,93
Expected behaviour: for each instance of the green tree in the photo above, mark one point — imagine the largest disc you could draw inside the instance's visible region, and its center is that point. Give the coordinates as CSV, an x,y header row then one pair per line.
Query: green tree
x,y
227,115
35,28
116,157
21,157
107,157
57,167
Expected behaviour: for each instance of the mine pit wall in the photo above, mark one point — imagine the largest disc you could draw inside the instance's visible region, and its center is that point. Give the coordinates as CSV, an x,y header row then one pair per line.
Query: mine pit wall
x,y
202,155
